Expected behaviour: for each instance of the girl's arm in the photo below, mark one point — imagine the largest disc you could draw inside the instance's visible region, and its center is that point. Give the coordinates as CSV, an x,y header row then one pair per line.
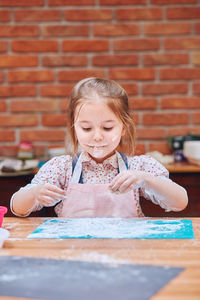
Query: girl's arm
x,y
46,188
167,193
25,200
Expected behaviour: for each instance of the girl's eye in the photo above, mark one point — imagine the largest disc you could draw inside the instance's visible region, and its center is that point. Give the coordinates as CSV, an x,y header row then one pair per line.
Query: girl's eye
x,y
86,129
108,128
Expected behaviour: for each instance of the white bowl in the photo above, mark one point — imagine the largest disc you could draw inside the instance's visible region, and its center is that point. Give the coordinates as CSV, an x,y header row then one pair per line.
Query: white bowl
x,y
191,150
4,234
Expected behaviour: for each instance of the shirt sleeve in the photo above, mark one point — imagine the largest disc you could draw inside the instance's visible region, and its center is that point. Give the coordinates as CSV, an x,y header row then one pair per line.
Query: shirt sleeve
x,y
56,171
150,165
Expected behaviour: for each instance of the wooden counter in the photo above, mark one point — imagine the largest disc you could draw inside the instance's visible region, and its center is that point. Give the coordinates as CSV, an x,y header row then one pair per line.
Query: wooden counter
x,y
182,167
180,253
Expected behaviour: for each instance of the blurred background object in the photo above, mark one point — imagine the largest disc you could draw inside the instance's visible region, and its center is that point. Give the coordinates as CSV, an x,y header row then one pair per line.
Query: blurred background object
x,y
177,143
191,150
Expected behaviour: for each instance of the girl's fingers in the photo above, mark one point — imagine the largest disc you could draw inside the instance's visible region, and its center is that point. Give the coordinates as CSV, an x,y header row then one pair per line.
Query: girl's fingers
x,y
126,186
55,189
53,195
49,194
119,180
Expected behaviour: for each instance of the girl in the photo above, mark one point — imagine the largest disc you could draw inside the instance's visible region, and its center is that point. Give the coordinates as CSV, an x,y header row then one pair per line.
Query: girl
x,y
100,181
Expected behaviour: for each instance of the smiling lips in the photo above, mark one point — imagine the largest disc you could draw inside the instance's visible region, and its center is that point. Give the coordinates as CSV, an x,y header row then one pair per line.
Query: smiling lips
x,y
96,146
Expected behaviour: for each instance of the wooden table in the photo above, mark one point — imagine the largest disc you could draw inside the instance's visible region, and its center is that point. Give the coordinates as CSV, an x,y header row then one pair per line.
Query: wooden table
x,y
179,253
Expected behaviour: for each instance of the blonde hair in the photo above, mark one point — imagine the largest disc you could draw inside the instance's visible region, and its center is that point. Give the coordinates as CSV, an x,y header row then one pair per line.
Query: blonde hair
x,y
115,97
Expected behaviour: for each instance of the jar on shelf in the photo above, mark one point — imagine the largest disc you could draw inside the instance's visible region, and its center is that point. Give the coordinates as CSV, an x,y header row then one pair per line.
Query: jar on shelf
x,y
25,150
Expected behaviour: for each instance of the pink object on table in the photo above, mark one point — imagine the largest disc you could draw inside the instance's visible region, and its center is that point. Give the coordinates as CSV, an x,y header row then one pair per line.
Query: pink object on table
x,y
3,211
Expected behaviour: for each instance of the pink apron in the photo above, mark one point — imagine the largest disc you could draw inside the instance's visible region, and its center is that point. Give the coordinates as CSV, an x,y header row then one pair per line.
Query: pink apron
x,y
97,200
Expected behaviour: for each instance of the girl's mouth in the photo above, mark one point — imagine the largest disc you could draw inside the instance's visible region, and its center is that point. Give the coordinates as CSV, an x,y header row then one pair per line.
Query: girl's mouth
x,y
97,151
97,146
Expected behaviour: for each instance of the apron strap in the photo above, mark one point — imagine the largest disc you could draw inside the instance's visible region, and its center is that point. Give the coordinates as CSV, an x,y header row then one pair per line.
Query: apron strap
x,y
122,165
125,159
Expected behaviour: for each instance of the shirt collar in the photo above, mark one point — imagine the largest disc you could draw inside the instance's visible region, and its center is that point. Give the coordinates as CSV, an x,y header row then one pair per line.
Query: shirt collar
x,y
112,160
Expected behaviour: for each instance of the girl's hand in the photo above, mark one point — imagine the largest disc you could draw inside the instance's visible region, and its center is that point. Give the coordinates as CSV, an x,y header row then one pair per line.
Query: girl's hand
x,y
127,180
48,194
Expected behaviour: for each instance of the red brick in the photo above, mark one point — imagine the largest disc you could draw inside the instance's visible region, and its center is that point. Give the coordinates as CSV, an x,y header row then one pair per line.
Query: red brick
x,y
13,3
162,147
190,43
197,27
4,15
17,91
165,118
196,58
70,2
18,30
196,118
165,59
170,2
132,74
188,13
3,106
196,88
154,13
14,61
191,102
142,103
54,120
10,151
37,15
116,29
66,30
136,44
180,73
1,76
88,15
121,2
30,76
85,45
42,135
183,131
43,105
76,75
7,135
164,88
18,120
167,28
3,46
56,90
150,133
64,60
130,88
35,46
115,59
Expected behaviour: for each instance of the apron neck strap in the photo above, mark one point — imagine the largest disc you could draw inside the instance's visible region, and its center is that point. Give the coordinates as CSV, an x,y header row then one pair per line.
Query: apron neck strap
x,y
77,166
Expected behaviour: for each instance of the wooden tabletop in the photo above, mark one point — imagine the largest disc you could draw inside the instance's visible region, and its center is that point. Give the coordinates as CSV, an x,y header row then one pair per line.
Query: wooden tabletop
x,y
182,167
179,253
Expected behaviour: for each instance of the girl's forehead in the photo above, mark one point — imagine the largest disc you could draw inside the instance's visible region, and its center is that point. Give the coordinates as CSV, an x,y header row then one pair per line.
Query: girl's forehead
x,y
94,110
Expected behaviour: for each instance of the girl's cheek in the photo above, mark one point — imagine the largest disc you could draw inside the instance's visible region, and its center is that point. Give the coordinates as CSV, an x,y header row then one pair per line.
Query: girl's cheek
x,y
114,138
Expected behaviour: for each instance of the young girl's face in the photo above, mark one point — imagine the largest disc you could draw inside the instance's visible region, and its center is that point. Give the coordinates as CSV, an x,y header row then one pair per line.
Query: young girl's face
x,y
98,129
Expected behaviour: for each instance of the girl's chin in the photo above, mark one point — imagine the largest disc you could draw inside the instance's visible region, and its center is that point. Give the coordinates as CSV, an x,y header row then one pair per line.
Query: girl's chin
x,y
100,158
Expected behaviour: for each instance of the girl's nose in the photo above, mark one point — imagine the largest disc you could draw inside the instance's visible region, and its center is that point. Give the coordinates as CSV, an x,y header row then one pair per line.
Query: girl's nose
x,y
98,135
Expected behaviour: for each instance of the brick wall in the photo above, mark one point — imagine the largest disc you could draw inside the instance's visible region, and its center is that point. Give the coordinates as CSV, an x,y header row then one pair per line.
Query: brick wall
x,y
151,47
